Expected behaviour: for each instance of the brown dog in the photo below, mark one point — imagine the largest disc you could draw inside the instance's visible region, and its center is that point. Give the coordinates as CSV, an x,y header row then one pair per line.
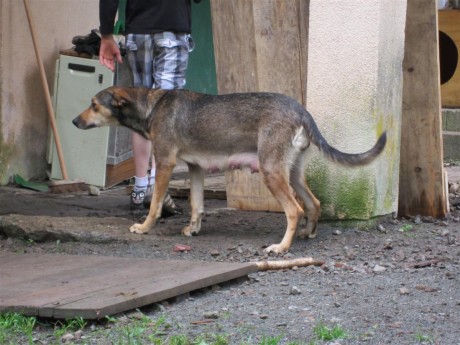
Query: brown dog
x,y
266,132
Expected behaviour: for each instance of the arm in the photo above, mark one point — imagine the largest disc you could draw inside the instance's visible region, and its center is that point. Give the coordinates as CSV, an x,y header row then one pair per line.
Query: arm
x,y
109,50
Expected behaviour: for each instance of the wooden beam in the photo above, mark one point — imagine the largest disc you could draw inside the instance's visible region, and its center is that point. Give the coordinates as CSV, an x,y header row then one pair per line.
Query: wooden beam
x,y
422,185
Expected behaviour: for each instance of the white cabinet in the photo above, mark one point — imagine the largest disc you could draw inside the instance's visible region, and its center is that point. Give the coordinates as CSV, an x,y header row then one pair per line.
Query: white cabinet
x,y
99,156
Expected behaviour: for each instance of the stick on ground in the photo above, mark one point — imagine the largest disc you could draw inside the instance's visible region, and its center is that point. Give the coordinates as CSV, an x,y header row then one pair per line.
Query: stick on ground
x,y
284,264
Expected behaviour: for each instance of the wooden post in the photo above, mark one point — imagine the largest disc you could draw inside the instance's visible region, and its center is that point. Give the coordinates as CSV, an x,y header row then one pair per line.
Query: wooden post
x,y
422,185
259,45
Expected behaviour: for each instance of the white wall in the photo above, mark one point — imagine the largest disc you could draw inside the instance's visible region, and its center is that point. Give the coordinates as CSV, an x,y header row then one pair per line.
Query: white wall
x,y
23,115
354,90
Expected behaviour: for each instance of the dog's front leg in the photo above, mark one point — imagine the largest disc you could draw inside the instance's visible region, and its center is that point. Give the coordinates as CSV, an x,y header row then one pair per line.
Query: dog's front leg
x,y
196,200
163,175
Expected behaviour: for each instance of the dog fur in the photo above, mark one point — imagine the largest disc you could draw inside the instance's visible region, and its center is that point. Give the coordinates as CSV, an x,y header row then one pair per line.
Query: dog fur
x,y
267,132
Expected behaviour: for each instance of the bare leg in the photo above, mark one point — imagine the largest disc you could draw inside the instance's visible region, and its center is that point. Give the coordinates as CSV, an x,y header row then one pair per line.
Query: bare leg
x,y
142,149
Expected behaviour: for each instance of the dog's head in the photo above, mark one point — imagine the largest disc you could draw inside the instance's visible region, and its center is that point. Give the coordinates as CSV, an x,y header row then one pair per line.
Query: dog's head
x,y
105,109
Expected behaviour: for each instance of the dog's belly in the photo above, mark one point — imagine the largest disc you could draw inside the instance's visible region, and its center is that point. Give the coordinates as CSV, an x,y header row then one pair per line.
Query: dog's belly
x,y
215,163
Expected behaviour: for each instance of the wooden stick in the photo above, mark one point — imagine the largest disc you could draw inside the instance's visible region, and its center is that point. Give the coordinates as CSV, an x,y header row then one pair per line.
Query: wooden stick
x,y
284,264
49,104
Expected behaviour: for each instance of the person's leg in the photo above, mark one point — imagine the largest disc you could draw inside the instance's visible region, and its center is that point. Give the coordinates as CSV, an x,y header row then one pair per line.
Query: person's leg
x,y
170,61
139,54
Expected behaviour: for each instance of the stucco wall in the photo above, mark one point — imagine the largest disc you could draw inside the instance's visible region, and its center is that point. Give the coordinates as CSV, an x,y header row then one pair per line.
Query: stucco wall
x,y
354,90
23,116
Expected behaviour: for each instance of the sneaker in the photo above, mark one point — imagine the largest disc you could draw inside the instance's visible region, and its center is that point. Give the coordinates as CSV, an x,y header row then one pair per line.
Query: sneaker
x,y
169,207
137,197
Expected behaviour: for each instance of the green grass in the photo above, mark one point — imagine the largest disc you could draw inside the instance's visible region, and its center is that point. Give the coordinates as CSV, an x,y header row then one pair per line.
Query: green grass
x,y
16,329
423,339
14,326
323,332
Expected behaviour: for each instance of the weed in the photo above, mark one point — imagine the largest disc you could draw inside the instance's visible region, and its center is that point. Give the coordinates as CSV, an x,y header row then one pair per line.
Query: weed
x,y
69,325
17,324
406,228
323,332
424,339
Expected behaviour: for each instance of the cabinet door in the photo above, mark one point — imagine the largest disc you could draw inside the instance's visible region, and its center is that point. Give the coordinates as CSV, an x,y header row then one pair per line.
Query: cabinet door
x,y
85,151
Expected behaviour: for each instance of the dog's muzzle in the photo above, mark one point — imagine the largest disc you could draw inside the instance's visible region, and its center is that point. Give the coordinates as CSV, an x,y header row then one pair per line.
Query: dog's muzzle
x,y
79,123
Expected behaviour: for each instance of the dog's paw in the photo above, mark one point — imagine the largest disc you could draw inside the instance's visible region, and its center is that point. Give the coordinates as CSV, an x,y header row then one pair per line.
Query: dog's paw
x,y
304,234
308,232
276,248
138,229
189,231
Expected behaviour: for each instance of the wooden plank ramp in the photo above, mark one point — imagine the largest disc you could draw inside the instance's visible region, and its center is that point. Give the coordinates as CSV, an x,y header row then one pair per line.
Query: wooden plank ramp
x,y
92,287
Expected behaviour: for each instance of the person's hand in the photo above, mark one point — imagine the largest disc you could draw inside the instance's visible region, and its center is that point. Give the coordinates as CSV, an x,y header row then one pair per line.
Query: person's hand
x,y
109,52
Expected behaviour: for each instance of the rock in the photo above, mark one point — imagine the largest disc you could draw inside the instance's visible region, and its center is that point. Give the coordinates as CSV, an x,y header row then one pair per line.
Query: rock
x,y
93,190
381,228
454,188
215,252
378,269
404,291
295,291
78,334
337,232
211,315
417,219
67,337
182,248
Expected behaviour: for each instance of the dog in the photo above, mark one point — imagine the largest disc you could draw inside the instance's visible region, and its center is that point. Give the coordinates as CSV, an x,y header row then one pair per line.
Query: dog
x,y
267,132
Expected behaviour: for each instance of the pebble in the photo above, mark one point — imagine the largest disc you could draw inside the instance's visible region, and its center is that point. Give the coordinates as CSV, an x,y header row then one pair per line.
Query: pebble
x,y
93,190
417,219
381,228
337,232
211,315
378,268
404,291
67,337
295,291
454,188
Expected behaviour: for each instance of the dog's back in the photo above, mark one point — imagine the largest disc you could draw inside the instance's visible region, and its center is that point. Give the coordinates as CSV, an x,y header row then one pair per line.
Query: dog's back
x,y
243,123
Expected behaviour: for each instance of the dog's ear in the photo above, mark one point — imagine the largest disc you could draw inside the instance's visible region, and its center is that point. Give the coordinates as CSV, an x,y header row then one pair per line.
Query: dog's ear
x,y
120,97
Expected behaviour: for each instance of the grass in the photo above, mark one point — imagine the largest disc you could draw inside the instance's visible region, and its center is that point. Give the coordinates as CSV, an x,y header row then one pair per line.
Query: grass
x,y
323,332
16,328
423,339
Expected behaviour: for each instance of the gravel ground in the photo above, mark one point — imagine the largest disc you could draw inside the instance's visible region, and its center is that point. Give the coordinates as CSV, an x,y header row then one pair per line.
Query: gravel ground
x,y
396,281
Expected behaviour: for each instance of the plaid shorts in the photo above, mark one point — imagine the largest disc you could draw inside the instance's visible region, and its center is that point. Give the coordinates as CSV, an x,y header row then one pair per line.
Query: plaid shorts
x,y
159,60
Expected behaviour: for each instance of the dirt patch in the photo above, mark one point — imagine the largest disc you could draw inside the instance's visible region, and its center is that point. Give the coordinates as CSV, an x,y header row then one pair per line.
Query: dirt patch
x,y
393,281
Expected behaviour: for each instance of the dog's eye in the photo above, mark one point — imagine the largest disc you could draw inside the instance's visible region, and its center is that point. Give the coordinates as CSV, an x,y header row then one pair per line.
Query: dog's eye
x,y
93,106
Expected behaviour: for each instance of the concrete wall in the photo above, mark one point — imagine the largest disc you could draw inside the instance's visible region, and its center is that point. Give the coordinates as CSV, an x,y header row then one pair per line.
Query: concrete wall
x,y
23,116
354,90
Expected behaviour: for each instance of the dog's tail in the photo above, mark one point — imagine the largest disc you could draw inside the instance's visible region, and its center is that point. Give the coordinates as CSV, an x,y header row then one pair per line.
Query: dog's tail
x,y
332,153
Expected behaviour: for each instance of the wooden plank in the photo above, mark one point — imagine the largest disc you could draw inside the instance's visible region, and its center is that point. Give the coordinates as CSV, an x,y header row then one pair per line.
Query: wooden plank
x,y
119,172
422,185
92,287
449,23
264,50
278,46
214,187
234,46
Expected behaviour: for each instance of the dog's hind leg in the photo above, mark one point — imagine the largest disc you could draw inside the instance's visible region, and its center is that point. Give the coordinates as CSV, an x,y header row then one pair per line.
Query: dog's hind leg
x,y
196,200
163,175
277,183
311,204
